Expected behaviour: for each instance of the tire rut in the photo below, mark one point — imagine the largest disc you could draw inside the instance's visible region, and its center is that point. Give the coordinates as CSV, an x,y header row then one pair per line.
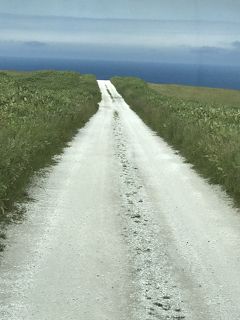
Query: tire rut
x,y
157,295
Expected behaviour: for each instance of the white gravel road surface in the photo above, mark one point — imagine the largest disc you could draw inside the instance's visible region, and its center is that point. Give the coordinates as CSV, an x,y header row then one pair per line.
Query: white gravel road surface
x,y
121,228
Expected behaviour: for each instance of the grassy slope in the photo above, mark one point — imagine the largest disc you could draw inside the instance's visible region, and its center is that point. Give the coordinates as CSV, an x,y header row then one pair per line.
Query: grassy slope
x,y
204,128
39,113
202,94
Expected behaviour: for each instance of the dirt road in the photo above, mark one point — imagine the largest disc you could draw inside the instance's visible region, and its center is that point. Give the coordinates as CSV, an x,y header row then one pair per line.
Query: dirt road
x,y
122,229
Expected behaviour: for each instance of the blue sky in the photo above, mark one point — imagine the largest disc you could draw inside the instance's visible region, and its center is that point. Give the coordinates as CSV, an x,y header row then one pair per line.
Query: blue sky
x,y
185,31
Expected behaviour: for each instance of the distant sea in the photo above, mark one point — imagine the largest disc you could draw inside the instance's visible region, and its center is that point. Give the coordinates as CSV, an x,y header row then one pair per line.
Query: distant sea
x,y
187,74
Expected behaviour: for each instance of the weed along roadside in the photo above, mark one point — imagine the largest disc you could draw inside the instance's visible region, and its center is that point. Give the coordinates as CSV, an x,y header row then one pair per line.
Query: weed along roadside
x,y
207,134
39,113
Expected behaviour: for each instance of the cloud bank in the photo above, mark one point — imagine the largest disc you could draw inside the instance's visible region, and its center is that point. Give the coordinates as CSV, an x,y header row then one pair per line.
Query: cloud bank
x,y
120,39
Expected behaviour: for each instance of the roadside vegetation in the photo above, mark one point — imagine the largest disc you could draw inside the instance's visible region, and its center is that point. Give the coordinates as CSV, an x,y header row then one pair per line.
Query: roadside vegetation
x,y
39,113
201,94
204,127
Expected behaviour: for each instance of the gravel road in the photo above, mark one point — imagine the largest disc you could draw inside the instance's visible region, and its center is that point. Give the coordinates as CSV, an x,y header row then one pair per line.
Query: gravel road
x,y
121,228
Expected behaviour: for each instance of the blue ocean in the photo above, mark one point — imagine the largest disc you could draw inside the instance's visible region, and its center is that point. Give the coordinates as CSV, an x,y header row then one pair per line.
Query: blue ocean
x,y
187,74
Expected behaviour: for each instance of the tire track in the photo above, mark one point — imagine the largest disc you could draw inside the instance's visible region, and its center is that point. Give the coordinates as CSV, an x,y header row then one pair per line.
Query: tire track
x,y
157,292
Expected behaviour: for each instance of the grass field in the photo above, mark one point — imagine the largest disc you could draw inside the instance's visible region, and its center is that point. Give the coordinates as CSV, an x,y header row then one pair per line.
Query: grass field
x,y
203,124
39,113
201,94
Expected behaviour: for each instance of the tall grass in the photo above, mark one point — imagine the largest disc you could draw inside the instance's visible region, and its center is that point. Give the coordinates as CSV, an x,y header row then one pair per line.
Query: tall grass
x,y
207,134
39,113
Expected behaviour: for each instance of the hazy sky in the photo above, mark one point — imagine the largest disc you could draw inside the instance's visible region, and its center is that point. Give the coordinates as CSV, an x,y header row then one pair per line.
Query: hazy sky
x,y
199,31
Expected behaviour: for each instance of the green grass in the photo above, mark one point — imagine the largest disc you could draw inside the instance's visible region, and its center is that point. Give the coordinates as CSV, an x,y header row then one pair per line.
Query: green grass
x,y
39,113
201,94
204,128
